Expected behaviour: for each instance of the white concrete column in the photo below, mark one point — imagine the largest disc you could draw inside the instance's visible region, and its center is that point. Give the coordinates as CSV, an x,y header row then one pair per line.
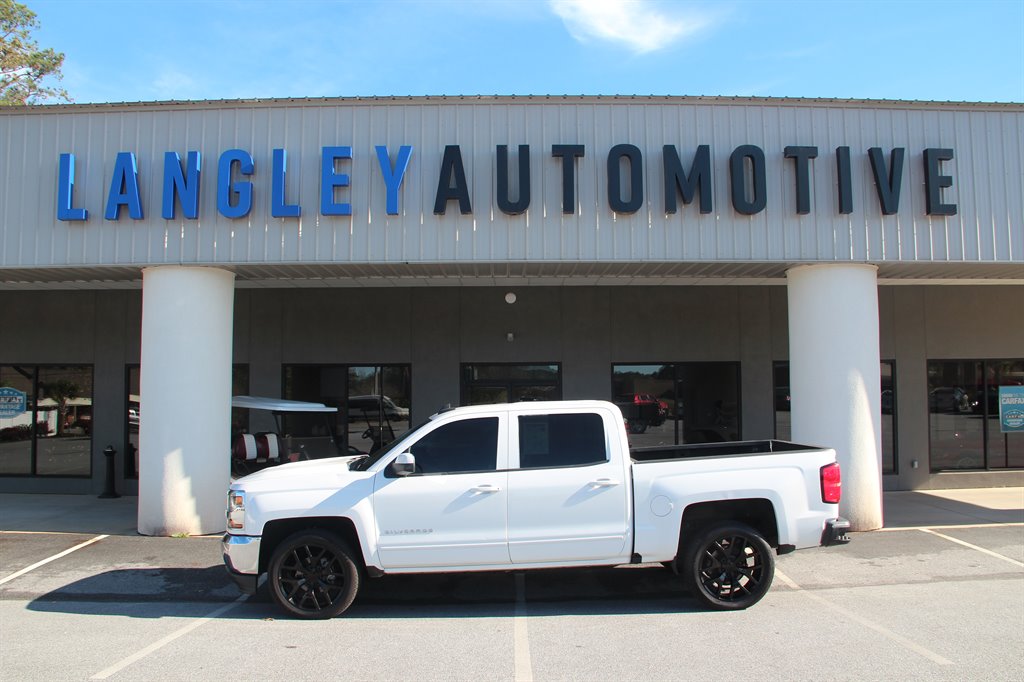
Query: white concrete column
x,y
185,407
834,377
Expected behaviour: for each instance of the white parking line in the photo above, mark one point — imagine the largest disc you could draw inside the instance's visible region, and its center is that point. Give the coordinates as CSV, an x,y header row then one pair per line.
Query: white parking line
x,y
896,529
180,632
37,564
997,555
521,636
880,629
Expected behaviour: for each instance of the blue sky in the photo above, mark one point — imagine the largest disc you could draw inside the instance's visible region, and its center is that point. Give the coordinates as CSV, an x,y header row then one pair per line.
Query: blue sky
x,y
145,50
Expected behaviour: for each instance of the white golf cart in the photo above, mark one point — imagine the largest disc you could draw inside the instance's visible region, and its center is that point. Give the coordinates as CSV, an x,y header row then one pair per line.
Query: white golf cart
x,y
282,431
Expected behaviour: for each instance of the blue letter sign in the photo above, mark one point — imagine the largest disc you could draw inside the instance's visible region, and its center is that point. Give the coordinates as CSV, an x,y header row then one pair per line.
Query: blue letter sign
x,y
330,178
124,188
393,176
174,181
225,188
66,191
278,208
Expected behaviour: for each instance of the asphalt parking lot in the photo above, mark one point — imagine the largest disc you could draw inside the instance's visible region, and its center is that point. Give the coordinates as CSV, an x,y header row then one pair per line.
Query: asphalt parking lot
x,y
937,595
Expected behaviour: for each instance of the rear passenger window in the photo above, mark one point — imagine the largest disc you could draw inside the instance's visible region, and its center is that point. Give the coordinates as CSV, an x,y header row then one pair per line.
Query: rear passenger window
x,y
561,440
467,445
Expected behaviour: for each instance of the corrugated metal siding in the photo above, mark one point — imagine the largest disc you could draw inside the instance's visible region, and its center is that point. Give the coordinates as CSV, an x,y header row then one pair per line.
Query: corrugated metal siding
x,y
988,142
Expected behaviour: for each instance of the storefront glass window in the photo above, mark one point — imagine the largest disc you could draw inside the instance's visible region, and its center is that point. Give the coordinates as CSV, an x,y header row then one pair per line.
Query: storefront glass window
x,y
783,424
506,383
888,381
686,402
377,407
18,395
373,404
646,394
964,427
46,420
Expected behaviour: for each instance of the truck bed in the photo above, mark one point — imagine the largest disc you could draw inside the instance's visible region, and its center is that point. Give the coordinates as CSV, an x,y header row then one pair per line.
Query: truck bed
x,y
663,453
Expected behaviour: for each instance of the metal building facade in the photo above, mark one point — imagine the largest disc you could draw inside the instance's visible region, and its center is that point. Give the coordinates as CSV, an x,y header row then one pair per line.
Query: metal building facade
x,y
985,176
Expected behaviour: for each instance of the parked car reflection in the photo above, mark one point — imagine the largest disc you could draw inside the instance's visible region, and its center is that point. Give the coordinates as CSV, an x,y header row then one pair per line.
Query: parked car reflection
x,y
642,410
949,399
368,407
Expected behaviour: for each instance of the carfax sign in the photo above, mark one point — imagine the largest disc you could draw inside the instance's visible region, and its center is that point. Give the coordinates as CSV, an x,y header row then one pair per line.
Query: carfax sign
x,y
12,403
1011,409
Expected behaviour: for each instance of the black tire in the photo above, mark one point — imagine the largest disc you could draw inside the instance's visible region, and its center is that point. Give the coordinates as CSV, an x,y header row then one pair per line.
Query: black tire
x,y
728,566
313,575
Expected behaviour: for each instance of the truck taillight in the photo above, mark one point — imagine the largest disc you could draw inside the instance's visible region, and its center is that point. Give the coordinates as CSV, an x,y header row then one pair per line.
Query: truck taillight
x,y
831,483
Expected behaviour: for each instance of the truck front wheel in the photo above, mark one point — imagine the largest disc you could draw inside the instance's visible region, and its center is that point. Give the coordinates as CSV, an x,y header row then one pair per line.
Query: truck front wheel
x,y
728,566
313,575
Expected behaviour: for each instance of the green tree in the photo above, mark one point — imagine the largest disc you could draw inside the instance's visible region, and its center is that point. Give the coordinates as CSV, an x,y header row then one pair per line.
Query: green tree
x,y
23,66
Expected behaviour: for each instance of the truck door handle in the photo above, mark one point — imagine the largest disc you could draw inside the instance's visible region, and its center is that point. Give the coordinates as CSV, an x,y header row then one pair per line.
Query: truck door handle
x,y
486,489
604,483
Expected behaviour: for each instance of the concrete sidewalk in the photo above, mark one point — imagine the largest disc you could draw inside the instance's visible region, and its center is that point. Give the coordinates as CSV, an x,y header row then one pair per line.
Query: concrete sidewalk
x,y
969,506
85,514
89,515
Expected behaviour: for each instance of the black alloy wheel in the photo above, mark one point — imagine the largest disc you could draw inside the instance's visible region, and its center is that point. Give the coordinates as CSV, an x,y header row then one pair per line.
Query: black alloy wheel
x,y
313,575
729,566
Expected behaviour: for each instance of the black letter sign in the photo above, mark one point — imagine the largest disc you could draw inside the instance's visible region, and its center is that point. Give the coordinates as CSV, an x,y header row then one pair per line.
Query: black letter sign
x,y
504,203
802,157
888,184
569,154
738,179
636,179
934,183
676,179
844,181
451,164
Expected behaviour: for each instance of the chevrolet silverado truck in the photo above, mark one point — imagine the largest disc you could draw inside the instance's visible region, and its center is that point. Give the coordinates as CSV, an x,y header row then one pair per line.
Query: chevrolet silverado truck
x,y
533,485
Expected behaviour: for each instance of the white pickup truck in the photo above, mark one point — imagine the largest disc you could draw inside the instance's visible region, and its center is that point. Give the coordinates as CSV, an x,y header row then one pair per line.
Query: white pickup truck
x,y
524,486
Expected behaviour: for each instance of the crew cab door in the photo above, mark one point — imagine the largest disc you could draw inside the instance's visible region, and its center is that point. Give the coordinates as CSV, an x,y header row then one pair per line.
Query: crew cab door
x,y
452,511
568,497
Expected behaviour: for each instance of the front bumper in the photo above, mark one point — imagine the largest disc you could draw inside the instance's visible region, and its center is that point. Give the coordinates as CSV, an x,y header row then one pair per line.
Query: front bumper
x,y
835,532
242,559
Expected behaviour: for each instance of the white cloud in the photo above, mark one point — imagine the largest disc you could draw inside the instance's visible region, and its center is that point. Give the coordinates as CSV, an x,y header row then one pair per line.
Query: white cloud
x,y
172,83
637,24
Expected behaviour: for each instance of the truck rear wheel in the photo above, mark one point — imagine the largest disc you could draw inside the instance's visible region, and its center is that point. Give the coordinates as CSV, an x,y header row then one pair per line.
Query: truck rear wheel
x,y
313,575
728,566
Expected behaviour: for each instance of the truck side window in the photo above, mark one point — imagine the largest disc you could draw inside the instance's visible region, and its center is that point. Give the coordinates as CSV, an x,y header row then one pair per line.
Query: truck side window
x,y
561,440
467,445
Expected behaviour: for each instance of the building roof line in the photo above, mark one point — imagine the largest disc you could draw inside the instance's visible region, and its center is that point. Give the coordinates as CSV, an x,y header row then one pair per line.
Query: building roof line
x,y
519,99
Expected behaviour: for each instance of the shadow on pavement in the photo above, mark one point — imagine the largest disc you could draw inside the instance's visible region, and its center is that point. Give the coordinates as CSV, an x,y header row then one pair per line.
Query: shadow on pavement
x,y
194,592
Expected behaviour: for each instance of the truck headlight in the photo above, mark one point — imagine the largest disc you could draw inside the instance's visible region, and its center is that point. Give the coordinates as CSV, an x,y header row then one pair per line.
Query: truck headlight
x,y
236,509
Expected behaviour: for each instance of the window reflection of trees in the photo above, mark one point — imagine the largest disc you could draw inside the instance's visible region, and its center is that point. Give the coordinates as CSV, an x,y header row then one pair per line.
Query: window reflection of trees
x,y
53,435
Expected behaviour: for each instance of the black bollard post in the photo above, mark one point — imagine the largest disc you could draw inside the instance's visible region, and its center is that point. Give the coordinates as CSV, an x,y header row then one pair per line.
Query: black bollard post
x,y
109,492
